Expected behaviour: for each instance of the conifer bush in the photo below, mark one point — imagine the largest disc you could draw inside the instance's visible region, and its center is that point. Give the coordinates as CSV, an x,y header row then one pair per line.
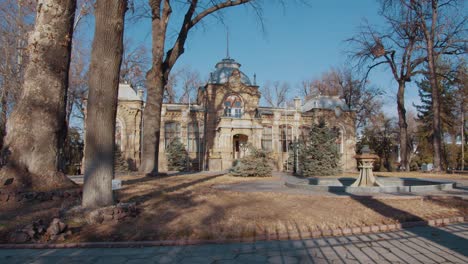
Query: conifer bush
x,y
177,156
256,164
319,154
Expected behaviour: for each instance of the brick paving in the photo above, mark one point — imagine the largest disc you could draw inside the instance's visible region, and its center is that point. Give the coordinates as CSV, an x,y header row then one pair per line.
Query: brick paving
x,y
446,244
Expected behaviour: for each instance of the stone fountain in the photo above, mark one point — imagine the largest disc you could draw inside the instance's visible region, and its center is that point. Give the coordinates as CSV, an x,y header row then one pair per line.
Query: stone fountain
x,y
368,183
366,164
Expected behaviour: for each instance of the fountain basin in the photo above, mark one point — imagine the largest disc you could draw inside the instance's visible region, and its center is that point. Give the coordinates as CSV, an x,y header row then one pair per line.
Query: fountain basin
x,y
388,185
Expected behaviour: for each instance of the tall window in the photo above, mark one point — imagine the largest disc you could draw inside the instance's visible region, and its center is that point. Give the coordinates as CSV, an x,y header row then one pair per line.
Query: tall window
x,y
304,133
195,133
233,106
171,132
286,137
267,138
339,140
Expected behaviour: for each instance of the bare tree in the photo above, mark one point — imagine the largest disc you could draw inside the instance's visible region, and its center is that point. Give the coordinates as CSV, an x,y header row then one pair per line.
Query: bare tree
x,y
413,126
78,82
17,21
79,63
163,62
135,62
397,48
462,103
170,91
190,81
102,102
276,93
357,93
444,31
305,88
330,84
36,127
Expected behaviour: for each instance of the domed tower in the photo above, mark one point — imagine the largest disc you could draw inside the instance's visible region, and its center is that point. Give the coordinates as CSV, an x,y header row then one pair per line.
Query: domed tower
x,y
231,101
224,70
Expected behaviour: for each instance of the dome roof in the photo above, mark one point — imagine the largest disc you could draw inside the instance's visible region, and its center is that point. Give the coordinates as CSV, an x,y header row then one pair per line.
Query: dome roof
x,y
324,102
126,92
224,70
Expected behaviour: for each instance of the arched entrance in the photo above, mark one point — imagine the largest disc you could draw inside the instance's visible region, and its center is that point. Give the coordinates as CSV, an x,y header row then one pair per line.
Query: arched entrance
x,y
239,145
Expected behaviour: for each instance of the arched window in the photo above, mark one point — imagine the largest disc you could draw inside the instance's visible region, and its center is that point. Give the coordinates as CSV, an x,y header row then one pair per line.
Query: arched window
x,y
286,137
267,138
171,132
304,132
233,106
195,134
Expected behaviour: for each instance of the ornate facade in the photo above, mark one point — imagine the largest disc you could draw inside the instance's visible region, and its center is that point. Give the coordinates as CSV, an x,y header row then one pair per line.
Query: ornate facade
x,y
226,117
129,124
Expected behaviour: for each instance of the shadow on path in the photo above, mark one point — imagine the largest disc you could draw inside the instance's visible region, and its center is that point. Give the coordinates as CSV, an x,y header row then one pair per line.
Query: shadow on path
x,y
434,234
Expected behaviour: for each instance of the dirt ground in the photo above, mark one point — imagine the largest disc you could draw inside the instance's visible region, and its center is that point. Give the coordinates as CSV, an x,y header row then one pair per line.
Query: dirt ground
x,y
187,207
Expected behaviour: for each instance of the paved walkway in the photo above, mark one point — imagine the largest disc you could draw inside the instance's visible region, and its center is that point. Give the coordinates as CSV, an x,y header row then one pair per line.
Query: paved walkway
x,y
413,245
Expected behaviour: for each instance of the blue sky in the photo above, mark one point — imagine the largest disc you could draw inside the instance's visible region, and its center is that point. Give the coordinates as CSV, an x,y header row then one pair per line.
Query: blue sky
x,y
299,42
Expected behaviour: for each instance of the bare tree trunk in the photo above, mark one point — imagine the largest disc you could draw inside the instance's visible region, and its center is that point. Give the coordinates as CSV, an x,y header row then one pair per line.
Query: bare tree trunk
x,y
155,85
429,35
106,58
3,114
152,121
157,77
36,126
437,132
403,127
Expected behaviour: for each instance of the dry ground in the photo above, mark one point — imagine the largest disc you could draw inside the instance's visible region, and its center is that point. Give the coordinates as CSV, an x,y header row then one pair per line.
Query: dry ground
x,y
186,206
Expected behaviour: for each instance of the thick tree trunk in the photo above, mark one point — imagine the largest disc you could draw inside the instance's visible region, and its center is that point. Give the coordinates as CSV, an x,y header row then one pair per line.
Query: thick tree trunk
x,y
429,35
403,127
152,122
106,58
3,114
156,80
36,127
437,132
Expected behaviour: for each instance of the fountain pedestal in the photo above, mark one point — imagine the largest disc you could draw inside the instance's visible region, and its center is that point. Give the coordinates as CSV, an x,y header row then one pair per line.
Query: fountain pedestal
x,y
366,177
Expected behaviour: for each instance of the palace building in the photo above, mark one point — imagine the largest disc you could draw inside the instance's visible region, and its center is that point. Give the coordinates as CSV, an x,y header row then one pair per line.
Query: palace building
x,y
226,117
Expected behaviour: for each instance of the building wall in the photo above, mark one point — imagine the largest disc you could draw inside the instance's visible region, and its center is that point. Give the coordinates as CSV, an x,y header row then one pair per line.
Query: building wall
x,y
129,118
219,131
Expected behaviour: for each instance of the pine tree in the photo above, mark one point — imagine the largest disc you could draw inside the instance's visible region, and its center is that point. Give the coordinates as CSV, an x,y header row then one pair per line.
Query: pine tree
x,y
256,164
177,156
425,116
319,155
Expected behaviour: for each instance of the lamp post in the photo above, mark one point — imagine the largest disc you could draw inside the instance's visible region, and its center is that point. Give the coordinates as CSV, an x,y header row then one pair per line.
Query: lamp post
x,y
463,138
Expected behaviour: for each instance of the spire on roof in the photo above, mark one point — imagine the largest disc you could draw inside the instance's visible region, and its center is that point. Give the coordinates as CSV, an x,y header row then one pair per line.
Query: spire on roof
x,y
227,44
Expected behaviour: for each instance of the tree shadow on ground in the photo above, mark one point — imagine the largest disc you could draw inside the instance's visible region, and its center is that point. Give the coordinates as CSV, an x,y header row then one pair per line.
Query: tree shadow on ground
x,y
148,178
164,206
152,194
174,201
429,232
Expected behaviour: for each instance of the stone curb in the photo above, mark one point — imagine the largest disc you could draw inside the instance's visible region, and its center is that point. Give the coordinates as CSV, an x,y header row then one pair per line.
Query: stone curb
x,y
437,186
292,235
